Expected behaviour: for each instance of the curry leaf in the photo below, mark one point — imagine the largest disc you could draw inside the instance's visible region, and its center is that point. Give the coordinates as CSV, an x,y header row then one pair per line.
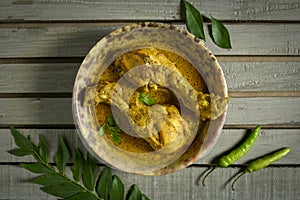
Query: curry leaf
x,y
135,193
194,20
82,196
64,190
104,183
44,149
22,142
90,172
62,155
77,168
145,98
220,34
20,152
50,179
38,168
117,189
144,197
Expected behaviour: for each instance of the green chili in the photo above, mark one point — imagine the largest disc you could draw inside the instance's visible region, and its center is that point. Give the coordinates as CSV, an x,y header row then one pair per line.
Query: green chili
x,y
263,162
237,153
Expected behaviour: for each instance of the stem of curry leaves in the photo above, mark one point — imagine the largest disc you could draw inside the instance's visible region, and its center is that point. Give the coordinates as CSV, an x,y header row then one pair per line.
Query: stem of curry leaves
x,y
50,167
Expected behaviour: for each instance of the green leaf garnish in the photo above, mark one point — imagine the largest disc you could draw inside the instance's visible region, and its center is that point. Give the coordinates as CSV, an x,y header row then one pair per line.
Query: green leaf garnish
x,y
135,193
117,189
77,168
144,197
85,173
146,99
62,155
194,20
90,172
24,143
111,126
44,149
20,152
81,196
220,34
38,168
110,120
63,190
49,179
102,129
104,183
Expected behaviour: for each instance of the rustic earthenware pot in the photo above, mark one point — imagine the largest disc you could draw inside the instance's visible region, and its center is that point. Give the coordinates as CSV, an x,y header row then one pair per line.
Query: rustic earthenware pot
x,y
108,49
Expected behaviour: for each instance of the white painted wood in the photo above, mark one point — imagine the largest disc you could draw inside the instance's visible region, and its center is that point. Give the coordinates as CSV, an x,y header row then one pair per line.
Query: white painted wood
x,y
251,111
33,10
69,40
270,183
240,76
268,141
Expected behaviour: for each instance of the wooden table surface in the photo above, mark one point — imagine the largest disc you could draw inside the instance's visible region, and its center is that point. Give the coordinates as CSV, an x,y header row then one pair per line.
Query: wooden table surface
x,y
42,44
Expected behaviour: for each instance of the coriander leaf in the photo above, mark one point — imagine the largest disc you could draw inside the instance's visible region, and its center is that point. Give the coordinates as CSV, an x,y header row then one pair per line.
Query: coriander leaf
x,y
117,189
135,193
38,168
62,155
220,34
82,196
110,120
90,172
49,179
114,129
22,142
64,190
104,183
146,99
20,152
194,20
102,129
144,197
77,168
44,149
116,137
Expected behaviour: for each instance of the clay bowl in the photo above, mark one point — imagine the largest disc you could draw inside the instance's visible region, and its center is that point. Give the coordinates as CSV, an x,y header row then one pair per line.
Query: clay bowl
x,y
116,44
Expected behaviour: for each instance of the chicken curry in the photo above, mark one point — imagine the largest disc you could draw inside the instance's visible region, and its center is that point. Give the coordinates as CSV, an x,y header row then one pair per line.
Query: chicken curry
x,y
174,130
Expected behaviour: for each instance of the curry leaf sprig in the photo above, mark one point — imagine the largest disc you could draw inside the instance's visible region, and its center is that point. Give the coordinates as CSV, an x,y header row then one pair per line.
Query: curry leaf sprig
x,y
194,22
86,182
111,127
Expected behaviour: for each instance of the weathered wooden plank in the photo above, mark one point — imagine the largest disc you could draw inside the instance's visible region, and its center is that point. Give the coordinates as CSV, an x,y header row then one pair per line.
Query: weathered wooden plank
x,y
76,39
38,78
269,183
59,77
262,76
23,10
269,140
260,110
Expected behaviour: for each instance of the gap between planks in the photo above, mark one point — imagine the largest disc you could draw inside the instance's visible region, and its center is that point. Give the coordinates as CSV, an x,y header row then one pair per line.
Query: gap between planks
x,y
221,58
66,23
235,94
191,166
72,126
